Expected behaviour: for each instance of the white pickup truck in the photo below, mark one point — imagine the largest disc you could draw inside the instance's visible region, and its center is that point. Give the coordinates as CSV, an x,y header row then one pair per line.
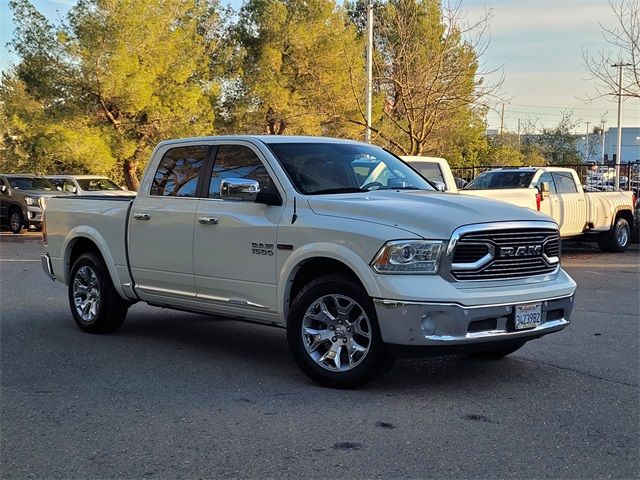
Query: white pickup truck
x,y
558,192
286,231
603,216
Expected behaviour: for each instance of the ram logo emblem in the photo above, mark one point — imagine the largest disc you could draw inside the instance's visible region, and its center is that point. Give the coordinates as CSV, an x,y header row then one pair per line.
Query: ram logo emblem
x,y
523,251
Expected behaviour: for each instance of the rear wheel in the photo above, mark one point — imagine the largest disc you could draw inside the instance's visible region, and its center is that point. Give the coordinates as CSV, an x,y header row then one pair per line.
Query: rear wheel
x,y
498,353
95,305
333,333
616,239
16,221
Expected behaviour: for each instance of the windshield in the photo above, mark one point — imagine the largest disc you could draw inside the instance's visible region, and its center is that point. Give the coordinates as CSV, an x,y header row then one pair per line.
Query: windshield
x,y
97,184
30,183
501,180
317,168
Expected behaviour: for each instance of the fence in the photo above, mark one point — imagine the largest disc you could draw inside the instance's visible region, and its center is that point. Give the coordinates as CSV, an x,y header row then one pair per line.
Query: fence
x,y
594,178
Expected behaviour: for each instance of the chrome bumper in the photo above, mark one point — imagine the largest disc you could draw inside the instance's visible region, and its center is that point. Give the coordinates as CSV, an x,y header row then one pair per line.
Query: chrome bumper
x,y
46,266
442,324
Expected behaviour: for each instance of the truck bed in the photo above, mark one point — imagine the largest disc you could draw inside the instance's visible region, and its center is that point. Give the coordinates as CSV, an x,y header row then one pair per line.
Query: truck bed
x,y
101,219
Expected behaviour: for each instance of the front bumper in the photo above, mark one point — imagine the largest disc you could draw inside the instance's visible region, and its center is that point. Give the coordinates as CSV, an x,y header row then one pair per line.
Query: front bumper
x,y
430,324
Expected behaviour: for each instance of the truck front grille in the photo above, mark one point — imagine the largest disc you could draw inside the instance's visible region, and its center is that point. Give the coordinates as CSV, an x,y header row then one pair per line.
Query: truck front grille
x,y
506,254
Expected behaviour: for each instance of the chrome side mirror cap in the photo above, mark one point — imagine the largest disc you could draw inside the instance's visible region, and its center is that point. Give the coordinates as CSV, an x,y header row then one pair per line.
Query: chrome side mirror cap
x,y
3,188
239,189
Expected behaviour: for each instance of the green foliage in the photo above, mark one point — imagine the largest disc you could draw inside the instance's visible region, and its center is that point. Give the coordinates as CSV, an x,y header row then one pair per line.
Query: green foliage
x,y
299,70
115,79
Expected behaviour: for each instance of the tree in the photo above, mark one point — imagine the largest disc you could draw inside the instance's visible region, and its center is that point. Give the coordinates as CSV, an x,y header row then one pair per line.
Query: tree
x,y
429,80
129,72
625,40
557,144
299,69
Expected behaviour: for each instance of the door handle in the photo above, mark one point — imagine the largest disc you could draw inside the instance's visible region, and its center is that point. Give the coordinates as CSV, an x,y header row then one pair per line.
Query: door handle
x,y
142,216
208,220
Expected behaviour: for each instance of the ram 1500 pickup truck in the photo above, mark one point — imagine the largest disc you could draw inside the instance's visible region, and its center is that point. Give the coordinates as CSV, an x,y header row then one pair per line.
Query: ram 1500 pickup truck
x,y
603,216
287,231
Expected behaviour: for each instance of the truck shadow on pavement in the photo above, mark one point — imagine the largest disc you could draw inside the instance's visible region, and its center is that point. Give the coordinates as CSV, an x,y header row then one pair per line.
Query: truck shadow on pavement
x,y
246,354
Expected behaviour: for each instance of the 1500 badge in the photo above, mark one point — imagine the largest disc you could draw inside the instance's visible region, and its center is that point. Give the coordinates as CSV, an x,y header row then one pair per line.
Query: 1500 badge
x,y
262,248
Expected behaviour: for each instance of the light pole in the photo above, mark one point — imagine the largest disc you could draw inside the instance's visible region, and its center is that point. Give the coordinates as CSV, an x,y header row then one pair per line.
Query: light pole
x,y
620,67
368,93
587,155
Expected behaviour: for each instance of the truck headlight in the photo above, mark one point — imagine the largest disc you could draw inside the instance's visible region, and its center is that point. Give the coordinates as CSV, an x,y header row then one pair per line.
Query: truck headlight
x,y
409,256
32,202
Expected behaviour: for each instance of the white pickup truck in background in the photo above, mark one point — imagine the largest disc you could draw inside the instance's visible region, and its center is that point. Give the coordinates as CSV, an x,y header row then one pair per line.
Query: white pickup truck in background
x,y
290,232
606,217
558,192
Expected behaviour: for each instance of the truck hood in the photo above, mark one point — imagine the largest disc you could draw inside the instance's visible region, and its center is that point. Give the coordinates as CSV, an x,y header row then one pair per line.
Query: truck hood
x,y
428,214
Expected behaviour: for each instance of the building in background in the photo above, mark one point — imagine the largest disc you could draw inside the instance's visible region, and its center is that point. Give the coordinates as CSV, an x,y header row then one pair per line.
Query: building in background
x,y
599,150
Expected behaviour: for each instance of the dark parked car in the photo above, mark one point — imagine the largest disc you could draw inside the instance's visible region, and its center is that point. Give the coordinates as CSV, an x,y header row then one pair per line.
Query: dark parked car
x,y
20,205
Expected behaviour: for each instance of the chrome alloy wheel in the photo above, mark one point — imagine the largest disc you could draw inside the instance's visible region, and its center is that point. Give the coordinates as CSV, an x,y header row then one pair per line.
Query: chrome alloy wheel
x,y
86,293
336,333
15,221
622,234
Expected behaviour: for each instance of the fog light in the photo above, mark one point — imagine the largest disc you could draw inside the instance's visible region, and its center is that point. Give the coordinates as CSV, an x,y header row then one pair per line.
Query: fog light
x,y
428,325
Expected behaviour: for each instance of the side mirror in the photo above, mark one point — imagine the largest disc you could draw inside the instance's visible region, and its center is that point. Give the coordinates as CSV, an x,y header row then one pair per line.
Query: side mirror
x,y
74,189
239,189
544,189
3,188
58,188
441,187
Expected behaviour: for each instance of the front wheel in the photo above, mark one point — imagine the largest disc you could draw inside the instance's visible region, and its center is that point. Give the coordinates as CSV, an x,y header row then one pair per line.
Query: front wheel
x,y
333,333
16,221
95,305
616,239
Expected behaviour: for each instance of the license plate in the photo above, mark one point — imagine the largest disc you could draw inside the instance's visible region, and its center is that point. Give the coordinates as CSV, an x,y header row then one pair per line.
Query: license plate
x,y
528,316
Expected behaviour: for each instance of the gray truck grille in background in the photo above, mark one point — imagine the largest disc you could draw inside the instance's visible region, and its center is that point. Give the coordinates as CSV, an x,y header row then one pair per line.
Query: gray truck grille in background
x,y
509,253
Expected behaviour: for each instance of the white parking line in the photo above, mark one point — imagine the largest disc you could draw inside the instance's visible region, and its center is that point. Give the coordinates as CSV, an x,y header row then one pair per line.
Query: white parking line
x,y
17,260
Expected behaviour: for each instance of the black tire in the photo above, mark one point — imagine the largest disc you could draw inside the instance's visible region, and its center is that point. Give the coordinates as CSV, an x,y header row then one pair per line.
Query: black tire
x,y
16,221
617,239
497,353
367,367
110,308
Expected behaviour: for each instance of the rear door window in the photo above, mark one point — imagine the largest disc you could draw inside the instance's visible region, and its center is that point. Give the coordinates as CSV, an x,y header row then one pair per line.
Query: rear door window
x,y
564,182
178,172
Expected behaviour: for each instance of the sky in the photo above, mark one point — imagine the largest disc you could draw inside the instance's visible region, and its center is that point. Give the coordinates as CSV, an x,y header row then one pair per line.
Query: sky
x,y
536,45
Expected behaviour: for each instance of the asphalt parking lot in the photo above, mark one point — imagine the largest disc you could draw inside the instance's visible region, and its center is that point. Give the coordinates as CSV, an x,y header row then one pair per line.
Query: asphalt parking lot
x,y
176,395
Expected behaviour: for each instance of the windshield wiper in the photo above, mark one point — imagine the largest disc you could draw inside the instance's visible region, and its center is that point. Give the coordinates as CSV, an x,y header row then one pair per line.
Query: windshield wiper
x,y
409,187
338,190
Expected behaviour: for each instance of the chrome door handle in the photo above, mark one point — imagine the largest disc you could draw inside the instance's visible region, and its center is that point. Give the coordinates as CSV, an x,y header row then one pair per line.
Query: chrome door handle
x,y
142,216
208,220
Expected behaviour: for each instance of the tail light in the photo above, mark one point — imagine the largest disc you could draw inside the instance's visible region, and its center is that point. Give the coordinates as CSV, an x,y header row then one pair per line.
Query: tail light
x,y
538,200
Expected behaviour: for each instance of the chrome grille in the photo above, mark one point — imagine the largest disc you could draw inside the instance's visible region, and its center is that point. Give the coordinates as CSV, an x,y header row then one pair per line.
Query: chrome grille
x,y
508,253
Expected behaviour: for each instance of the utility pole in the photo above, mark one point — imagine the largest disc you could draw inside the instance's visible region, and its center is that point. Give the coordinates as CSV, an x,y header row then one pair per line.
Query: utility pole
x,y
369,89
620,67
602,122
519,142
587,155
502,120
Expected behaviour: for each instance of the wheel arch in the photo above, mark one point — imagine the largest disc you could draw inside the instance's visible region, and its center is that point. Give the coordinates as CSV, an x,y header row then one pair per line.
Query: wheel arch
x,y
313,261
86,239
623,213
